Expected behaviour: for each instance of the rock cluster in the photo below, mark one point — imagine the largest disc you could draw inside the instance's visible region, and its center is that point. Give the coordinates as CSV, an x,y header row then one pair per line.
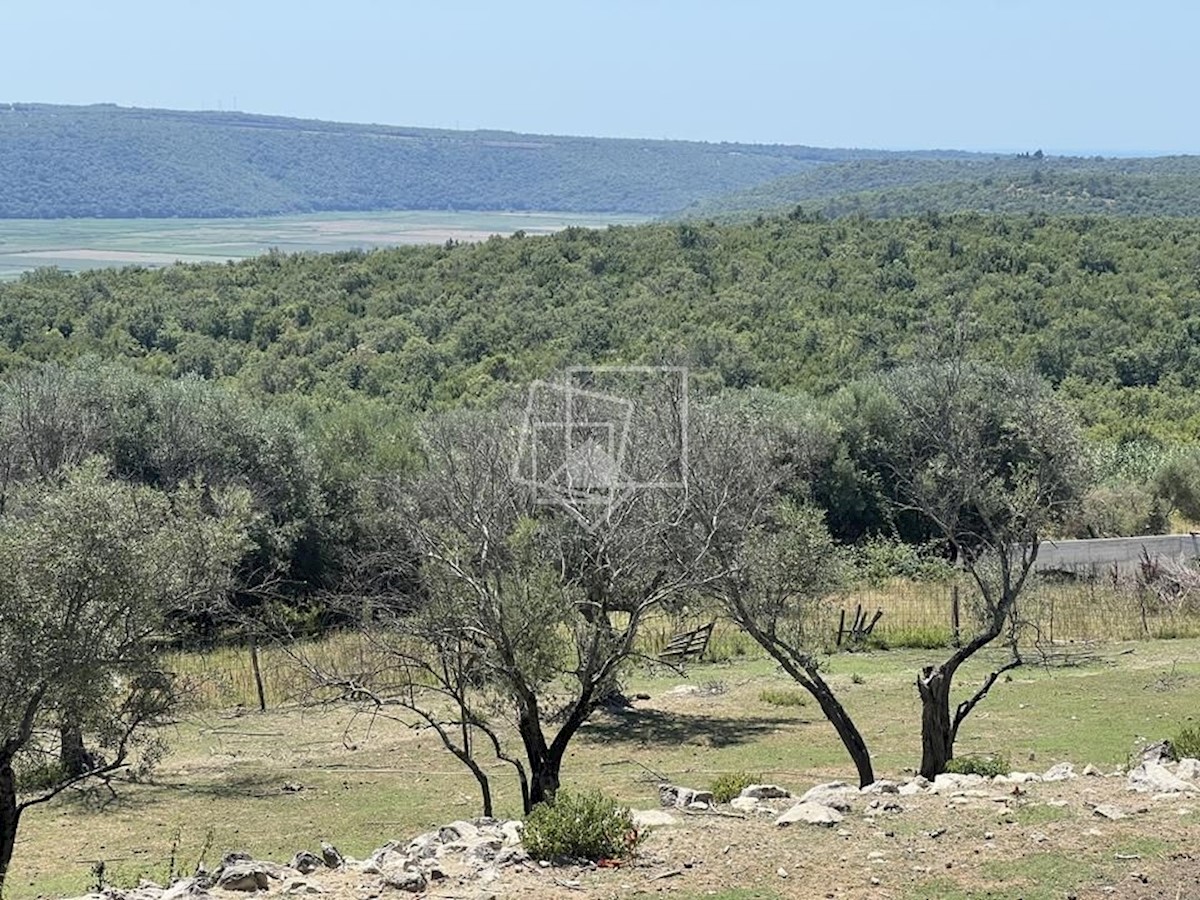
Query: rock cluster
x,y
476,847
475,851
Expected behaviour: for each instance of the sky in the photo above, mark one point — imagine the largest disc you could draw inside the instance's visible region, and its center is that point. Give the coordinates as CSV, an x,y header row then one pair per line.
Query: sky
x,y
1096,77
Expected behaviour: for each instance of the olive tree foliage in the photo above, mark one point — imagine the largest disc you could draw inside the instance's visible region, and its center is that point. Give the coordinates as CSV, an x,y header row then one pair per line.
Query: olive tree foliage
x,y
771,563
993,461
92,567
163,434
526,619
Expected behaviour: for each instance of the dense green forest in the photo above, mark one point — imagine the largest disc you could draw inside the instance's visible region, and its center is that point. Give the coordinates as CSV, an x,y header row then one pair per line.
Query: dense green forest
x,y
1160,186
1108,310
113,162
304,377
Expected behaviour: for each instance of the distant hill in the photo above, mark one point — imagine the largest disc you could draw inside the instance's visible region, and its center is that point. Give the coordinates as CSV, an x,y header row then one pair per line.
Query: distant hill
x,y
109,161
883,188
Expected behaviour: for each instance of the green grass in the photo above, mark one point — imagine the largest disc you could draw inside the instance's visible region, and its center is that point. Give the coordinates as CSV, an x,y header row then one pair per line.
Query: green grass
x,y
79,244
369,779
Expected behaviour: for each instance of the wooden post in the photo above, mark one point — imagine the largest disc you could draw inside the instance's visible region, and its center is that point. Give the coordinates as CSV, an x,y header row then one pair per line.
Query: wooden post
x,y
841,626
258,679
955,616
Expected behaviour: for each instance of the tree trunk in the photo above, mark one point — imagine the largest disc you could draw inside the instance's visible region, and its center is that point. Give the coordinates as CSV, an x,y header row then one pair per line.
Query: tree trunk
x,y
9,817
544,778
485,786
73,754
851,737
937,730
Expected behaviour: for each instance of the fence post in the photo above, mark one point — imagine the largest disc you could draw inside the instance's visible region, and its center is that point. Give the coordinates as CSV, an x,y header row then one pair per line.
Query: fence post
x,y
258,679
954,615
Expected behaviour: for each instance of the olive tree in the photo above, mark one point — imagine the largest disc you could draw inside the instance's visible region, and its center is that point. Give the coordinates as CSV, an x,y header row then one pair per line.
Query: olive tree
x,y
993,461
771,563
525,617
91,567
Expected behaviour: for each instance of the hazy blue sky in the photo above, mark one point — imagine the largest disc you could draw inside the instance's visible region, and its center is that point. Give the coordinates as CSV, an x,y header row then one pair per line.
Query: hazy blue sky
x,y
1063,75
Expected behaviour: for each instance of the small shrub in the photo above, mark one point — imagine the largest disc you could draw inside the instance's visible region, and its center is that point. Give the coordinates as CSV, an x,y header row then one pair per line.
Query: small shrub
x,y
586,825
1187,743
39,775
729,785
782,697
987,766
857,679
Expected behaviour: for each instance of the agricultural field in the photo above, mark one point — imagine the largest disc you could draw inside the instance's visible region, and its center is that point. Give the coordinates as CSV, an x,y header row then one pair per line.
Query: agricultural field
x,y
80,244
275,782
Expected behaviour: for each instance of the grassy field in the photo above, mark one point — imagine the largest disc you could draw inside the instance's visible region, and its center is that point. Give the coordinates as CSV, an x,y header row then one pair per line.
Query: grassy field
x,y
79,244
367,779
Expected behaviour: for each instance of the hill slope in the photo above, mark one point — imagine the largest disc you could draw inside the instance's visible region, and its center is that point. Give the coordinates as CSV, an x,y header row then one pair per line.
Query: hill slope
x,y
1159,186
109,161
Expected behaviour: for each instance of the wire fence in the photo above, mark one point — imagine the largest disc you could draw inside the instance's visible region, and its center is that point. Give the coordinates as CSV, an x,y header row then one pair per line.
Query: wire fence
x,y
1063,608
1093,604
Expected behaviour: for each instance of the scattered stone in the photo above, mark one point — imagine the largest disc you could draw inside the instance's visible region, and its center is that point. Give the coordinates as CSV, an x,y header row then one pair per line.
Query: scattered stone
x,y
299,886
882,786
781,872
918,785
1062,771
681,797
1057,804
1109,811
1091,771
835,794
292,787
765,792
948,782
306,863
413,881
1152,778
809,813
750,805
243,876
330,854
512,832
1188,769
458,831
1159,752
989,835
653,818
186,889
684,690
1017,778
641,696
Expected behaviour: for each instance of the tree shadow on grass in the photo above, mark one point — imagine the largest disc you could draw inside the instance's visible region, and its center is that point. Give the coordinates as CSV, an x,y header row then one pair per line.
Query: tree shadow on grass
x,y
120,793
653,726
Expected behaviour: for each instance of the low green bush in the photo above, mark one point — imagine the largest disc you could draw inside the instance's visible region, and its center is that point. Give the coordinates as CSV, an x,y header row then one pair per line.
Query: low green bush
x,y
987,766
1187,743
782,697
584,825
729,785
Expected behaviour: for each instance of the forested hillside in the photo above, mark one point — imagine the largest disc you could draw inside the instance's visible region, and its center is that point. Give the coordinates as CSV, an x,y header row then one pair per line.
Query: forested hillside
x,y
108,161
1106,309
1160,186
